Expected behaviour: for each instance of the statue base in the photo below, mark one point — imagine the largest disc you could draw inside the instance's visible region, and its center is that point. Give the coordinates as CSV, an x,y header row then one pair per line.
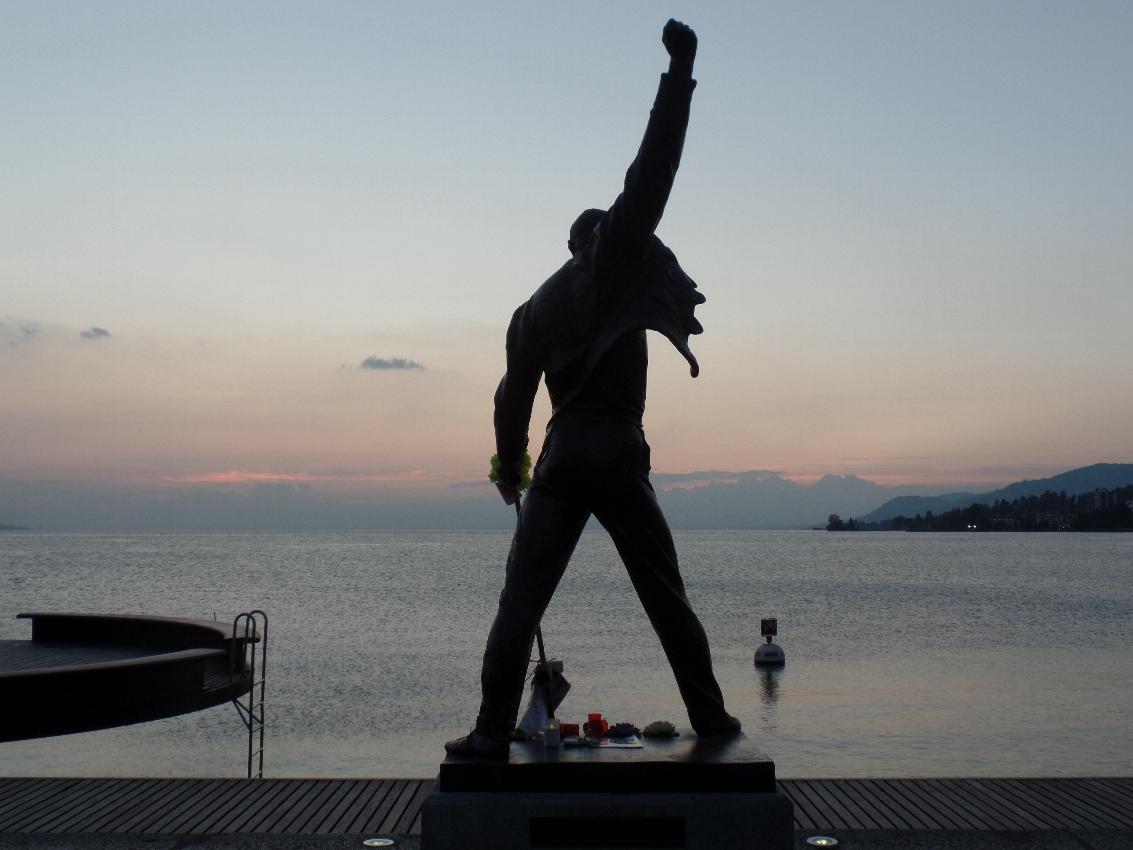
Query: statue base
x,y
680,793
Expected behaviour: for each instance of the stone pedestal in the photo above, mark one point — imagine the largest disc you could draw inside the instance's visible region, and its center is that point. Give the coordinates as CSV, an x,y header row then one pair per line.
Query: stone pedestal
x,y
681,793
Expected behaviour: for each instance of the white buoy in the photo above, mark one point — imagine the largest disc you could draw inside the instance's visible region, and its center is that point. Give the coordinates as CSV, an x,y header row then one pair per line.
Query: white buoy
x,y
769,654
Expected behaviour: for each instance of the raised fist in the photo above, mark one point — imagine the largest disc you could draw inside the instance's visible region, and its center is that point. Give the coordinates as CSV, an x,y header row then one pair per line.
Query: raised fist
x,y
680,41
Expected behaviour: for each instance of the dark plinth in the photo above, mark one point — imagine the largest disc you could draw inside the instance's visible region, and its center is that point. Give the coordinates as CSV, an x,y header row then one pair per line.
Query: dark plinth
x,y
682,793
674,765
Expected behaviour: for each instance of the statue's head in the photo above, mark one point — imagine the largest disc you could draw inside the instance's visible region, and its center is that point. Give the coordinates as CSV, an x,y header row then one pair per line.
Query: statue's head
x,y
583,229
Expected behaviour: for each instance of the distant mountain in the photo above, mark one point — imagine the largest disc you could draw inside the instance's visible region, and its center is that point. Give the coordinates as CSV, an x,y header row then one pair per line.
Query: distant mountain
x,y
1082,480
1085,479
913,505
4,527
754,499
763,499
696,500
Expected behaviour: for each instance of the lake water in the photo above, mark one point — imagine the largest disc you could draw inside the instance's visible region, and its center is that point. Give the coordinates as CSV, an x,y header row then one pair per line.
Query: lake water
x,y
907,654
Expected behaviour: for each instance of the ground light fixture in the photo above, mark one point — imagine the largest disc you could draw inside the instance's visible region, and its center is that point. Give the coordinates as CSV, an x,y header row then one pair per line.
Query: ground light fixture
x,y
822,841
380,842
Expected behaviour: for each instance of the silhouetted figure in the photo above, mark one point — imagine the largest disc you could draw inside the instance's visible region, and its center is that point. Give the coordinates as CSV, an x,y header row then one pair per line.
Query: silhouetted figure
x,y
584,330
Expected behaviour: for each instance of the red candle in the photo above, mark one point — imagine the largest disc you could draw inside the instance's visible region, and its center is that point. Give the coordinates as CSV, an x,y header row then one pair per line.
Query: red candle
x,y
594,725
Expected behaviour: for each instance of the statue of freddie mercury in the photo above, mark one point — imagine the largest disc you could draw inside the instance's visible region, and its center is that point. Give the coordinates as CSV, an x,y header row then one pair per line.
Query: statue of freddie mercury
x,y
584,330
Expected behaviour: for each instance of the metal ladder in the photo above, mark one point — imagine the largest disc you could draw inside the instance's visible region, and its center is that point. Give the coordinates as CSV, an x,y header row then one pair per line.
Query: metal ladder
x,y
247,653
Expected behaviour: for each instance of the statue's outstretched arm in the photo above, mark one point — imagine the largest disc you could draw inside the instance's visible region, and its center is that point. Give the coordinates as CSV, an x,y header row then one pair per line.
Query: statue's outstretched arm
x,y
630,222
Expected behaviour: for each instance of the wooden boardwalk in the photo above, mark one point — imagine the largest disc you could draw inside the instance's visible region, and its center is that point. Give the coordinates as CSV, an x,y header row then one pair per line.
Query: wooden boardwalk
x,y
392,806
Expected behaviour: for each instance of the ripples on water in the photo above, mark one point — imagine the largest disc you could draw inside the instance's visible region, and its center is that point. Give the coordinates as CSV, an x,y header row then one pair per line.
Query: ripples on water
x,y
908,654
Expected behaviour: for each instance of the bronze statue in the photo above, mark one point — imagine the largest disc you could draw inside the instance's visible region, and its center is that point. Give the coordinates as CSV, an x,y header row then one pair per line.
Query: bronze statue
x,y
584,330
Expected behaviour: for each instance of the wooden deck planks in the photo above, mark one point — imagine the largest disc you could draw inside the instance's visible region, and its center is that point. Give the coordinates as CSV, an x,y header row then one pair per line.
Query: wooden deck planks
x,y
1010,811
377,817
855,813
164,800
48,806
244,797
188,808
295,819
952,797
313,818
1118,793
413,810
803,820
368,804
283,806
83,811
101,804
393,806
919,808
806,810
1083,806
339,818
905,810
259,809
394,812
875,815
53,793
16,795
1041,806
823,805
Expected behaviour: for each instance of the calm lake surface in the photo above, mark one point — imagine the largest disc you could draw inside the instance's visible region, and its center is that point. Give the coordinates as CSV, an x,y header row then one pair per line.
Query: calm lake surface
x,y
907,654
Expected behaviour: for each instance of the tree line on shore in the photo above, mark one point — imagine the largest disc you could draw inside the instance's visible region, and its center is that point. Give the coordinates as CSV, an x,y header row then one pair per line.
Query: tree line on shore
x,y
1099,510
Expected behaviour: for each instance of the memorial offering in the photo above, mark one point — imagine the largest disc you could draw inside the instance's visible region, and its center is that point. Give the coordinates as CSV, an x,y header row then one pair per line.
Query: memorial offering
x,y
660,729
595,726
623,730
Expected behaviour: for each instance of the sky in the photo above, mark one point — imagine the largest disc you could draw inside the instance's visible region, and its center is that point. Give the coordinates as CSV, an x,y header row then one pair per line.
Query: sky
x,y
247,243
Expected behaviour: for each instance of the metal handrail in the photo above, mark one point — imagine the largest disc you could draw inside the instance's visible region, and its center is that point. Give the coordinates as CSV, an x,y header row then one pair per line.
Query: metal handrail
x,y
251,645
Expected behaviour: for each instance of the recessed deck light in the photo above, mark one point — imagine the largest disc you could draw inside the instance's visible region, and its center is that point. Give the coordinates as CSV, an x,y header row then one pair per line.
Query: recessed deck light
x,y
822,841
378,842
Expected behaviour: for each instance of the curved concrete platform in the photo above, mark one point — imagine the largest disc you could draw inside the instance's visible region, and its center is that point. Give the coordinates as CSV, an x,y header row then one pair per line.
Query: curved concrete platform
x,y
81,672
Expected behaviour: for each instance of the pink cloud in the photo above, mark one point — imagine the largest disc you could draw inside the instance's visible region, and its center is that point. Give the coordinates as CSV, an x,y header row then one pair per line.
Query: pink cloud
x,y
238,476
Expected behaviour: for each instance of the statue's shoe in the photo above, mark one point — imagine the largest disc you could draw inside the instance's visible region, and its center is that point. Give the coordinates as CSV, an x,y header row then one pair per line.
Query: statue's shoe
x,y
477,746
724,726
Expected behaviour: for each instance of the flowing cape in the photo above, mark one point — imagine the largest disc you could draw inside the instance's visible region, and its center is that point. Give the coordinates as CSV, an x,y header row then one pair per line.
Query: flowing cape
x,y
569,324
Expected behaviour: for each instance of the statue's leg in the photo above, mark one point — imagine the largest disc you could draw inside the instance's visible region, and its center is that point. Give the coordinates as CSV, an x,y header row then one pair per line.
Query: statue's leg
x,y
633,518
545,536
